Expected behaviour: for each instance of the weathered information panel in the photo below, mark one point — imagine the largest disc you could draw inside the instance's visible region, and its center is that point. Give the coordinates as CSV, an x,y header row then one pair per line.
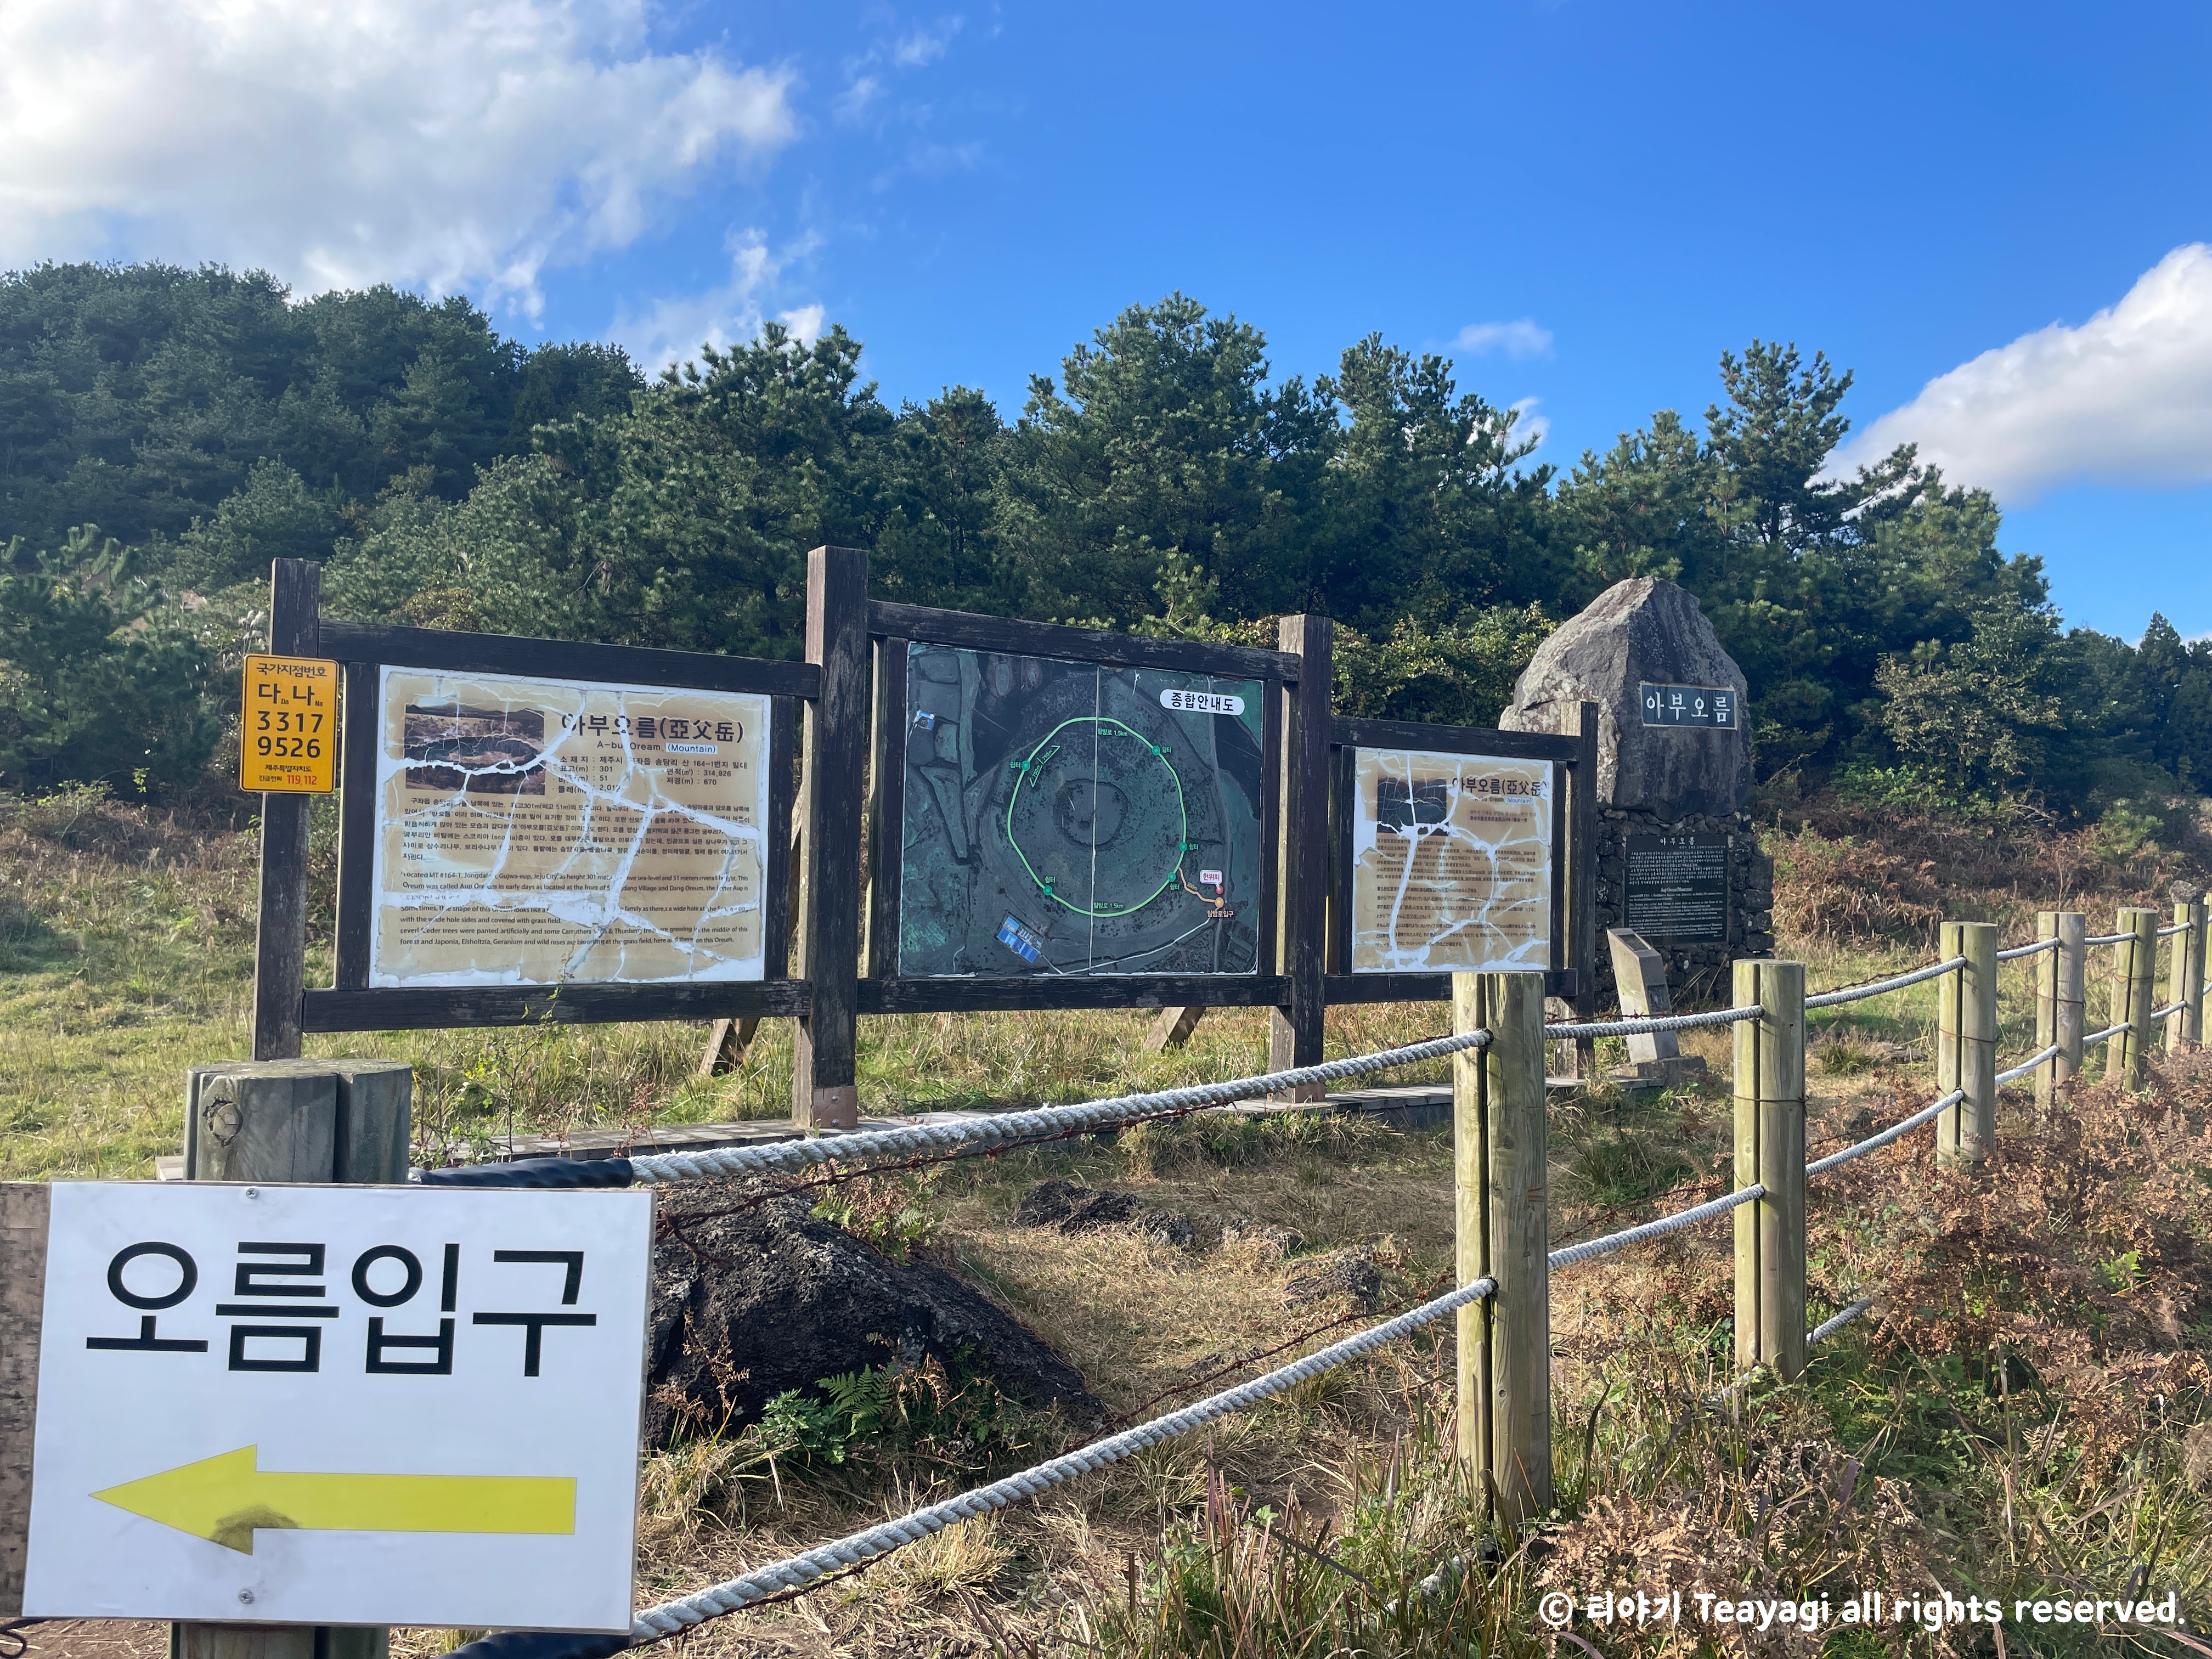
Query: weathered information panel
x,y
1677,887
367,1406
541,831
1451,862
1063,818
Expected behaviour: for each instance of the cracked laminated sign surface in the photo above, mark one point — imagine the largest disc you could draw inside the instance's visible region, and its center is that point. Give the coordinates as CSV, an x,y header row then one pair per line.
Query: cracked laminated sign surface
x,y
541,832
1062,817
1451,862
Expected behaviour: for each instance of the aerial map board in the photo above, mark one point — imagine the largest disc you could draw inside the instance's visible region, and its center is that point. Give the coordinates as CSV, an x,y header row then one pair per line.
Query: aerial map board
x,y
1067,818
549,831
1451,862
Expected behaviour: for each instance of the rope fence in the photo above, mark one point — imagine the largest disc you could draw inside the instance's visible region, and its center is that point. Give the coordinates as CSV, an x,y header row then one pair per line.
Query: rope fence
x,y
2027,1065
1780,1013
1927,1114
1876,987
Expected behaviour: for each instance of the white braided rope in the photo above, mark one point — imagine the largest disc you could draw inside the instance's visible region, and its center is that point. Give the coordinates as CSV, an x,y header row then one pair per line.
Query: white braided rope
x,y
1828,1327
1856,993
2027,1065
2177,928
2168,1012
2110,1031
1658,1023
2108,939
1012,1126
1895,1130
2019,950
1589,1249
671,1617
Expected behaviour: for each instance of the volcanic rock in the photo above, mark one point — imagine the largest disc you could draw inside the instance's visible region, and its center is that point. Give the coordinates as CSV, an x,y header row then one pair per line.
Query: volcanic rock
x,y
749,1305
1638,632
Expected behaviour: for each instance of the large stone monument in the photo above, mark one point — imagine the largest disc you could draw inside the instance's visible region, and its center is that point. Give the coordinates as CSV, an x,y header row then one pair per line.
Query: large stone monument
x,y
1677,862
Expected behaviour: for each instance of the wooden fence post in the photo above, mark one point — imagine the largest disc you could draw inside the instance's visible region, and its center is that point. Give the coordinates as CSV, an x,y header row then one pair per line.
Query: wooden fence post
x,y
312,1120
2135,961
1471,1223
1950,1016
2178,976
2192,1027
1782,1166
1499,1157
824,1075
2045,967
1745,1217
1977,984
2058,1002
280,949
2071,961
1770,1148
1302,896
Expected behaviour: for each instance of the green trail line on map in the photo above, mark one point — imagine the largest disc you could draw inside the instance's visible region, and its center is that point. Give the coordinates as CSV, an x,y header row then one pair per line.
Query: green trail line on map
x,y
1032,762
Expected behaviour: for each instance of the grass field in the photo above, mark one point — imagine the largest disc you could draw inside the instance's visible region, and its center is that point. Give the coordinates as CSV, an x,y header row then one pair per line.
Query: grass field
x,y
2026,1408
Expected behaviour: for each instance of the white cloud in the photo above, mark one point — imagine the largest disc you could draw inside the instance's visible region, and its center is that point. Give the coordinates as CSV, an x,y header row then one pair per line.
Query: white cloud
x,y
1522,337
929,160
341,142
853,103
1530,424
806,323
676,326
926,46
2125,398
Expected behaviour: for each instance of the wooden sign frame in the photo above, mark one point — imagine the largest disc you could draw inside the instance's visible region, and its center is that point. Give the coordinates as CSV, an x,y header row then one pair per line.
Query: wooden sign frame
x,y
884,990
351,1003
845,937
1574,897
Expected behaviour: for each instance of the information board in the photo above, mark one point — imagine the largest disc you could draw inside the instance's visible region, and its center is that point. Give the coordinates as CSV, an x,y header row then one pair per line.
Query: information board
x,y
1677,887
1066,818
543,832
1451,862
339,1405
287,727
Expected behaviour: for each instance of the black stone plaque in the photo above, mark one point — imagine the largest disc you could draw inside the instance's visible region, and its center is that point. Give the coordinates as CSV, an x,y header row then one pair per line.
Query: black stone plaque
x,y
1678,888
1711,706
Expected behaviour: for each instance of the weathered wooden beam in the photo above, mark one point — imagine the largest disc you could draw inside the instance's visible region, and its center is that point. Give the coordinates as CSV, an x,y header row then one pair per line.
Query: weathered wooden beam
x,y
1173,1028
1295,1031
825,1078
23,1206
280,949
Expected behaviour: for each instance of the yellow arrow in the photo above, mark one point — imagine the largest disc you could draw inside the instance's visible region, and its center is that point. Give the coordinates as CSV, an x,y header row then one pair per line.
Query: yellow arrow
x,y
224,1499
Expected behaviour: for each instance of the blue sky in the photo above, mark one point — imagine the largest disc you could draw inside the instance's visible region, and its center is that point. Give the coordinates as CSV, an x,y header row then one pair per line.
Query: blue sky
x,y
1993,215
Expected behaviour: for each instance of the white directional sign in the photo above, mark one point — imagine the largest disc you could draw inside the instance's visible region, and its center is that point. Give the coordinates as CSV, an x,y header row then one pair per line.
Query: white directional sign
x,y
339,1405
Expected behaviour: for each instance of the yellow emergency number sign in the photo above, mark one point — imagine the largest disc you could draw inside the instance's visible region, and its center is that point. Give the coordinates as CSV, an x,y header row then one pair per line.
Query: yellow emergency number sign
x,y
287,738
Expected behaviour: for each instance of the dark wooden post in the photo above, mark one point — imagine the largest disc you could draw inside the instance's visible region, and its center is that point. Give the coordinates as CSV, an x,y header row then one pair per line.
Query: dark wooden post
x,y
280,949
824,1091
1295,1038
23,1211
1575,888
312,1121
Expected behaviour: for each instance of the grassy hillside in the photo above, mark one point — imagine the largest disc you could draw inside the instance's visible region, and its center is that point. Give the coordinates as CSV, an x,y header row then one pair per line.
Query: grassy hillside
x,y
2024,1413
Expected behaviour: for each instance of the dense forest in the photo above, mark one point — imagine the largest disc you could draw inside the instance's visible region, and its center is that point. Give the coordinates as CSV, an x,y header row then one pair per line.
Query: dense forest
x,y
164,433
